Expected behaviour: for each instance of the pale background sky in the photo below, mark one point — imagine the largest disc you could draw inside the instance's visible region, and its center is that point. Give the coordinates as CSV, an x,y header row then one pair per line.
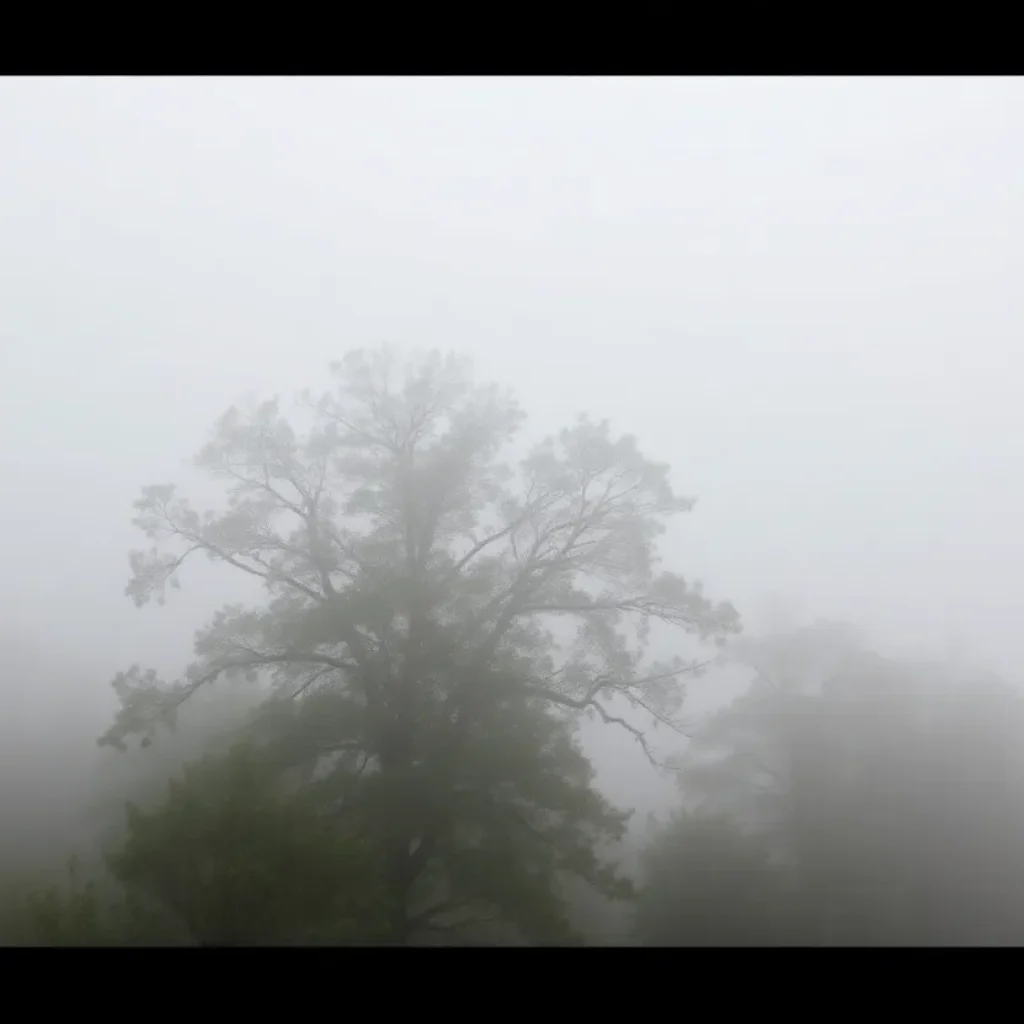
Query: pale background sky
x,y
803,293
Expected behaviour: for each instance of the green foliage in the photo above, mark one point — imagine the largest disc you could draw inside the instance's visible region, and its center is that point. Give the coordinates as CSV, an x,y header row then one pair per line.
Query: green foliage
x,y
238,859
508,807
71,915
433,601
84,909
708,883
520,811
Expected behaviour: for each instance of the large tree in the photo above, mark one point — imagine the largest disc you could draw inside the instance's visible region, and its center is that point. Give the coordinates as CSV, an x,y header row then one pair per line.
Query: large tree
x,y
453,610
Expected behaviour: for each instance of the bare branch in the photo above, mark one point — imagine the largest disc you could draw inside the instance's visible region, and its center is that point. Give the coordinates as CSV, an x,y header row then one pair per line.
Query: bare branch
x,y
486,542
590,701
311,681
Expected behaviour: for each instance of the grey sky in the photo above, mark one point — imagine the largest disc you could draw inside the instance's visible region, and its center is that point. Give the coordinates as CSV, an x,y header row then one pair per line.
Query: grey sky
x,y
802,293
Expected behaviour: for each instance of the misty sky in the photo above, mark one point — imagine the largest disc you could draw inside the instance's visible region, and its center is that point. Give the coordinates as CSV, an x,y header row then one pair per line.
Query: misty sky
x,y
802,293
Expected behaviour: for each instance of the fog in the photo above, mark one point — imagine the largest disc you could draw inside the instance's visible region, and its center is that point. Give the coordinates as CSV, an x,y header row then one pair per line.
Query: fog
x,y
802,294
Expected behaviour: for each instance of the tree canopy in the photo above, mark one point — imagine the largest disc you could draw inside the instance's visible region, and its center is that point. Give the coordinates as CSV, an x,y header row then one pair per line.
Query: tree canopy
x,y
235,856
446,610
